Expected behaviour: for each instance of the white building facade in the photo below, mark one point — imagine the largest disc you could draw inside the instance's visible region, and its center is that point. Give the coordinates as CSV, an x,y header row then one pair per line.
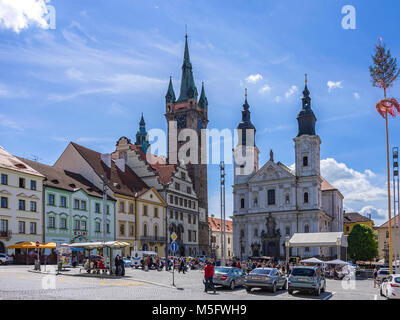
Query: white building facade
x,y
274,202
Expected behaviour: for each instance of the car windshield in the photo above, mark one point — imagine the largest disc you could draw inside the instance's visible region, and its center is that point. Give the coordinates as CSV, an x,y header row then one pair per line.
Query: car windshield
x,y
222,270
261,271
303,272
397,280
384,272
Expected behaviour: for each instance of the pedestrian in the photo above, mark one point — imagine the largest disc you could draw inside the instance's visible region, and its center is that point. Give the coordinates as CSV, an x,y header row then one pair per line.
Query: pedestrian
x,y
117,267
74,261
375,276
121,267
208,277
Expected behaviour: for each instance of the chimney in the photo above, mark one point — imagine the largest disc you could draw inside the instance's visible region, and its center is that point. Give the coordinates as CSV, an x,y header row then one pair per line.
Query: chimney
x,y
120,163
106,158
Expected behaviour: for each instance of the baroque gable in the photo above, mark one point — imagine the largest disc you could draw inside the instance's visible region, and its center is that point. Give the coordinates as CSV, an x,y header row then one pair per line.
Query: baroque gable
x,y
271,171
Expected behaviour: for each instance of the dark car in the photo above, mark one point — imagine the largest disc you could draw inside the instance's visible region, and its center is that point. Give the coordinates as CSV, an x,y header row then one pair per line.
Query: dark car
x,y
270,278
229,277
308,279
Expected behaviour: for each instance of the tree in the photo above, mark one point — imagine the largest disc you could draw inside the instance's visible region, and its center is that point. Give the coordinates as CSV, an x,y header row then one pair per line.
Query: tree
x,y
362,243
383,73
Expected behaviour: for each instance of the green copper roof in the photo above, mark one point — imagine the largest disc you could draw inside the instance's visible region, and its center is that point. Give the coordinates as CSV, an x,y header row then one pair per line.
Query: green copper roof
x,y
188,87
170,96
203,102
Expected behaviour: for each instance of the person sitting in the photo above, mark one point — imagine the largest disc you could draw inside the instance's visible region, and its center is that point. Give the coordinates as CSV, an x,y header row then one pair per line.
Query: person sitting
x,y
86,265
101,266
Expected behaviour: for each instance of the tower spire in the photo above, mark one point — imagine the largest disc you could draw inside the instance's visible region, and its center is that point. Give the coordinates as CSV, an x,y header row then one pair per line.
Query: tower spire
x,y
141,136
170,96
306,118
188,87
203,102
246,123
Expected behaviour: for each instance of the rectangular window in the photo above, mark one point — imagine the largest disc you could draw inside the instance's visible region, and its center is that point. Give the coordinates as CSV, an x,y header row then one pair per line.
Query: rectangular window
x,y
189,190
4,179
180,201
83,205
183,176
97,207
171,199
194,219
145,210
155,212
21,226
108,228
33,206
131,208
51,200
76,224
122,229
3,225
189,218
189,235
76,204
242,203
32,227
21,205
83,225
22,183
63,202
171,215
176,215
52,222
182,216
271,197
4,202
176,200
185,203
63,223
194,236
177,186
229,240
33,185
131,230
194,205
97,227
121,206
190,204
108,209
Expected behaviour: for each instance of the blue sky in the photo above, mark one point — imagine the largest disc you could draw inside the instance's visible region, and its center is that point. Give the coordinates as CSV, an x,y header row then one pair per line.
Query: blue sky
x,y
89,79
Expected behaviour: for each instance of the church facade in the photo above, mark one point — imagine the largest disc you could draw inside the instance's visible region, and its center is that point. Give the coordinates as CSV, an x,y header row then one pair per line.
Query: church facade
x,y
273,202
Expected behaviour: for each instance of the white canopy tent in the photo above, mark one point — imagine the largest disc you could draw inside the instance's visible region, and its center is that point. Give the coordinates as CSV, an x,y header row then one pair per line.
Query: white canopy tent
x,y
98,245
317,239
337,261
312,260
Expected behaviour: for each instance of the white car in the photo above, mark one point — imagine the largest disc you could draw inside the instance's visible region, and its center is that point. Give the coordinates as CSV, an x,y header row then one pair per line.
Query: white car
x,y
4,259
390,287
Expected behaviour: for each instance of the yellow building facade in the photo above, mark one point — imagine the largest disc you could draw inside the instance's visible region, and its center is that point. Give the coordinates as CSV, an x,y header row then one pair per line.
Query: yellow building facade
x,y
350,220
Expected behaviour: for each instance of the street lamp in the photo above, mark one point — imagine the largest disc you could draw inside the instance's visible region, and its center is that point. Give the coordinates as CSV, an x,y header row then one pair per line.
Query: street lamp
x,y
287,244
165,187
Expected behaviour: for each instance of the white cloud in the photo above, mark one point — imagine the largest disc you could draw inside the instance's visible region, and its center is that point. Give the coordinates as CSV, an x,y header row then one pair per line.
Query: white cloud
x,y
377,214
253,78
265,89
356,187
20,14
8,123
292,90
357,95
74,74
332,85
277,99
116,109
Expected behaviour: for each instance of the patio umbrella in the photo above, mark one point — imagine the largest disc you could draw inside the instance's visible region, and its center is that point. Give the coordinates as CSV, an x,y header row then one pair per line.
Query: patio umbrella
x,y
23,245
312,260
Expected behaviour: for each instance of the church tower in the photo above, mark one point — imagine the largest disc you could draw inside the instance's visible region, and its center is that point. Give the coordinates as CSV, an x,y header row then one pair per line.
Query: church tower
x,y
246,153
307,143
189,113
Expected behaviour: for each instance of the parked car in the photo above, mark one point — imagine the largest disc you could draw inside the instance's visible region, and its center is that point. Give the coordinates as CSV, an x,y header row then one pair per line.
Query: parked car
x,y
229,277
270,278
306,279
127,262
5,259
383,273
390,287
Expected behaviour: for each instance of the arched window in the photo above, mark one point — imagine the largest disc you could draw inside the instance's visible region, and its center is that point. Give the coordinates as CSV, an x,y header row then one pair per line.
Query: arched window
x,y
305,197
156,232
287,231
305,161
306,228
145,230
242,203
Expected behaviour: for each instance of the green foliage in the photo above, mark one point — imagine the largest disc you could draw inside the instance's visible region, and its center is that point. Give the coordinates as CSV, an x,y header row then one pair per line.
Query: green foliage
x,y
384,70
362,243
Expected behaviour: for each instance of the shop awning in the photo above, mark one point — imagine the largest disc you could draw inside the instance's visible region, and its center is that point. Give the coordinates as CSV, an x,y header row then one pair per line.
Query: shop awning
x,y
23,245
49,245
98,245
318,239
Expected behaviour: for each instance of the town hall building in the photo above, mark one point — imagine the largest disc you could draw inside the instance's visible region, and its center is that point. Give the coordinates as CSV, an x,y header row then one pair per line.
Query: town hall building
x,y
273,202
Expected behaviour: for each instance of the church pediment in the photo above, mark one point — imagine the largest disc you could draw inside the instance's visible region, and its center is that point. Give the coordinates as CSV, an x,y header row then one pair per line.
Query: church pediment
x,y
271,171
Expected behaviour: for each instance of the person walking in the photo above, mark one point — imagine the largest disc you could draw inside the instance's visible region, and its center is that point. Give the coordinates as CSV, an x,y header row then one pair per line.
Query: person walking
x,y
182,267
375,276
208,276
121,267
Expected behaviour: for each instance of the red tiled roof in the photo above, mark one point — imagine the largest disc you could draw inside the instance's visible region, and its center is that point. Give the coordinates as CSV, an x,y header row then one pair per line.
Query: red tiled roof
x,y
215,225
325,185
126,183
393,222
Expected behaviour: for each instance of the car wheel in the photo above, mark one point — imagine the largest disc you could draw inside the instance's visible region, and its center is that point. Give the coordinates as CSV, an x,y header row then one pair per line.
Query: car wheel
x,y
318,292
284,285
290,291
274,287
232,285
381,292
248,289
323,288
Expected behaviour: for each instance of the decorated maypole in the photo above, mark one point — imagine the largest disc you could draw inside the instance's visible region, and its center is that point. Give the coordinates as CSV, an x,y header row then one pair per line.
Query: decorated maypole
x,y
384,72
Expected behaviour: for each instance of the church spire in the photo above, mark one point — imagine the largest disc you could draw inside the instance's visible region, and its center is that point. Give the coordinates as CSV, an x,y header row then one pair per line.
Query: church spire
x,y
306,118
170,96
188,87
246,122
203,102
141,136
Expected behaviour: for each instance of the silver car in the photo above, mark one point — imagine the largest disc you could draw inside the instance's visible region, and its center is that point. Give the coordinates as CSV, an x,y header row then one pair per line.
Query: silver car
x,y
228,277
308,279
270,278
